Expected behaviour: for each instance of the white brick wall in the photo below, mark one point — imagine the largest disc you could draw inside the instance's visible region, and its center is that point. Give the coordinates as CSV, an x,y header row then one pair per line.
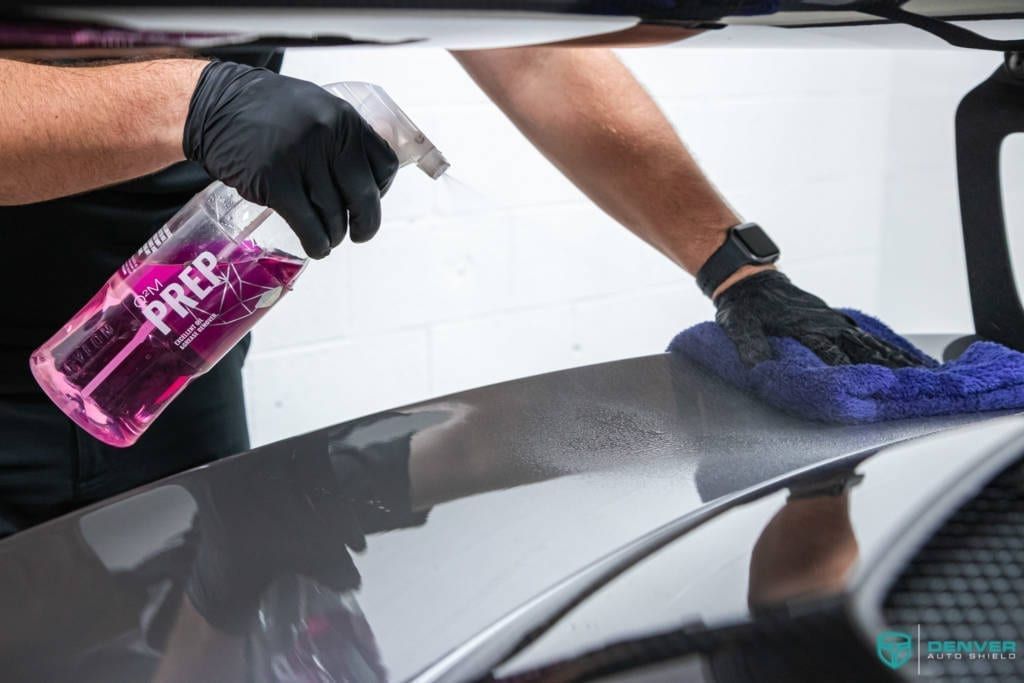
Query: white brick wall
x,y
844,155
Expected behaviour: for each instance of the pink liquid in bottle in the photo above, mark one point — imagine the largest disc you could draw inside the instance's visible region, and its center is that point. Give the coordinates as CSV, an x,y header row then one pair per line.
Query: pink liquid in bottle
x,y
167,316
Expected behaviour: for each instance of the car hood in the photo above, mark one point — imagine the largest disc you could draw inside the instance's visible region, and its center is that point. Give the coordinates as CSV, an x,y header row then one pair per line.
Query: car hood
x,y
471,504
823,561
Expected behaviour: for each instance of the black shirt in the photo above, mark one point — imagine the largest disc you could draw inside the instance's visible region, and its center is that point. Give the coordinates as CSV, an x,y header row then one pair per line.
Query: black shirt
x,y
60,252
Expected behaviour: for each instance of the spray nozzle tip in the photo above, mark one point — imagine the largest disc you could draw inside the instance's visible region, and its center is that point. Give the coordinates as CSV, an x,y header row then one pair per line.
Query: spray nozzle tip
x,y
433,164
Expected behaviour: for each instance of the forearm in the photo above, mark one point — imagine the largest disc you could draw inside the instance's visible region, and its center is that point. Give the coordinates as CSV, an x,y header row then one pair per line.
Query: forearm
x,y
586,112
67,130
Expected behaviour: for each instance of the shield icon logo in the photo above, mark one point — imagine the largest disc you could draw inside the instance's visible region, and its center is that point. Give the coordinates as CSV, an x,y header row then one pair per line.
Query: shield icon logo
x,y
894,648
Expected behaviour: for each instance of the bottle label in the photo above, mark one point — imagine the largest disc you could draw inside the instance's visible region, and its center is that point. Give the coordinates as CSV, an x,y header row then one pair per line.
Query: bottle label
x,y
217,287
182,297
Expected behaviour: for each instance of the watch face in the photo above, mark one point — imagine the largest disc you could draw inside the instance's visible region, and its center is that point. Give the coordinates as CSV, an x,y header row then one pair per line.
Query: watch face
x,y
757,241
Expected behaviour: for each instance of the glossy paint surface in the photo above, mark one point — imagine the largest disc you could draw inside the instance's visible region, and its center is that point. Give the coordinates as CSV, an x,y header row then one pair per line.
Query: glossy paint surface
x,y
811,540
520,484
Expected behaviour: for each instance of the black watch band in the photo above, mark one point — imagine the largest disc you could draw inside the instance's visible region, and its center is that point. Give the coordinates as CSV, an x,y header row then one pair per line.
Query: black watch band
x,y
745,244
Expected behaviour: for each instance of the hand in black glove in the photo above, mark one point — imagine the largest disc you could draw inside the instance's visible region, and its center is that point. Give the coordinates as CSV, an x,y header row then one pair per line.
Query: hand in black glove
x,y
768,304
290,145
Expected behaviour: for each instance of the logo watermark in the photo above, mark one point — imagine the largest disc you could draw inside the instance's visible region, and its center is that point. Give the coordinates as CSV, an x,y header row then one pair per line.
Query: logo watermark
x,y
896,648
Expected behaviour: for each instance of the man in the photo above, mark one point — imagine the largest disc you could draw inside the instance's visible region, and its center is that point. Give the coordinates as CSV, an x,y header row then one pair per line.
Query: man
x,y
92,163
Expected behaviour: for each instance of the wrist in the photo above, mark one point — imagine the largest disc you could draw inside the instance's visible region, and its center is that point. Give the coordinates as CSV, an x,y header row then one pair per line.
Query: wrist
x,y
746,250
180,79
699,245
743,273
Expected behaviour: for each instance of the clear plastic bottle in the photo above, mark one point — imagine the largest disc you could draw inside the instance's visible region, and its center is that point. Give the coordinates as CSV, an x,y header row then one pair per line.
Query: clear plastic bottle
x,y
189,295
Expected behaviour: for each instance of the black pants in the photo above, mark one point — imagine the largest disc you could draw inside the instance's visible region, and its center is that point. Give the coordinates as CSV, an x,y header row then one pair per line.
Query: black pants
x,y
48,466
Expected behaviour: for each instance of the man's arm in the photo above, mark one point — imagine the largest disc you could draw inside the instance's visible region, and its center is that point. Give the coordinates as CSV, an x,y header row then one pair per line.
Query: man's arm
x,y
281,142
67,130
584,110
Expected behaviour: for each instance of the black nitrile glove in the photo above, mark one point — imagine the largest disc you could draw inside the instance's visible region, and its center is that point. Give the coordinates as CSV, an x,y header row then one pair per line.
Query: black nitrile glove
x,y
290,145
767,304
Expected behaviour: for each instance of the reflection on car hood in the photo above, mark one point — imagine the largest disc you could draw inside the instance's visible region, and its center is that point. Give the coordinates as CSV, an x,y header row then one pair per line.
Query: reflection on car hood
x,y
471,504
785,549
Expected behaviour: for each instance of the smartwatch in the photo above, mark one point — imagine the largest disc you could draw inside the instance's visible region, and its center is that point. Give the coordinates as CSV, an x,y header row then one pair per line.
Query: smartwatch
x,y
745,244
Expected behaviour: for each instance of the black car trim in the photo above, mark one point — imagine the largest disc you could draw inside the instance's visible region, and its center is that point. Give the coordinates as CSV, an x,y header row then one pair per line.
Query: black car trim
x,y
886,22
943,28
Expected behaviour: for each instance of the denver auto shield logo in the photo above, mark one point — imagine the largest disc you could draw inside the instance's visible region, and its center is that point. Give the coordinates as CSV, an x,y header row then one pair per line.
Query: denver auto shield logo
x,y
894,648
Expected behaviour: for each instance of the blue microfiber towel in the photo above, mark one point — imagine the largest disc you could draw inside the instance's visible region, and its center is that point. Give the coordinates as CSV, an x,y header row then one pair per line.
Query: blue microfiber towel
x,y
988,376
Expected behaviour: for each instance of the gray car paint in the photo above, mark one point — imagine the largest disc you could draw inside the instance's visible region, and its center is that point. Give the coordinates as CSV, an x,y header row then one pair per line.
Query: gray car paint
x,y
528,481
778,550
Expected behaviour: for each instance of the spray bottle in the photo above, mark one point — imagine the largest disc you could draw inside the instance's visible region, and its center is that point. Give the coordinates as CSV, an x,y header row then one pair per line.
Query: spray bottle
x,y
190,294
